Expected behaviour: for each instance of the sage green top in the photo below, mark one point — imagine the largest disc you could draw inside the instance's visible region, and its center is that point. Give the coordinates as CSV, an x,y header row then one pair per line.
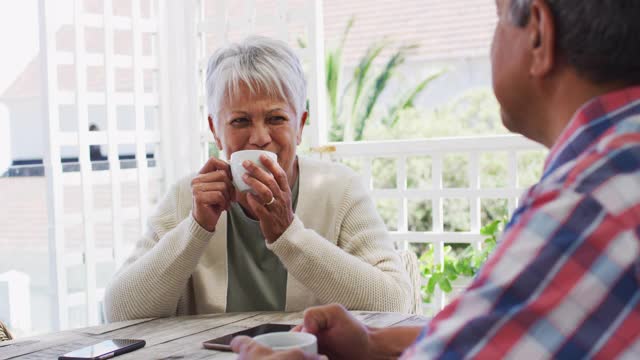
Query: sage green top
x,y
257,278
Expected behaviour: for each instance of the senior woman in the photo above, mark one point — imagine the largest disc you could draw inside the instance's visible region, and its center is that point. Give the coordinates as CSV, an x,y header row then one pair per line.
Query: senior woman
x,y
307,234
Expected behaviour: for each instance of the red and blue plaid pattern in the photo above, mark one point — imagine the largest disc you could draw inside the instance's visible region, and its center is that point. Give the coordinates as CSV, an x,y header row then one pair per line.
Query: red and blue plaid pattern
x,y
564,280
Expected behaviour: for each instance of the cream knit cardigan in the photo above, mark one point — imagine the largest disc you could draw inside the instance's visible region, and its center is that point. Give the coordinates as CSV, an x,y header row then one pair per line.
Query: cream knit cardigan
x,y
336,250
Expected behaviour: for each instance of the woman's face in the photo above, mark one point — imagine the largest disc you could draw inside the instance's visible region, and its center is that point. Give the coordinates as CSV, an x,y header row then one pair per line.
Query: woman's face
x,y
257,122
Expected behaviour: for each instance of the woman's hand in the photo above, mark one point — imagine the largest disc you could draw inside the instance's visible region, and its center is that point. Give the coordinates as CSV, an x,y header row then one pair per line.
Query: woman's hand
x,y
212,192
271,203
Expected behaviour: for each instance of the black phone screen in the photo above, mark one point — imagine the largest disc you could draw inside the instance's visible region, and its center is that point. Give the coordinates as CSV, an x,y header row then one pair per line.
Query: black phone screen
x,y
116,346
254,331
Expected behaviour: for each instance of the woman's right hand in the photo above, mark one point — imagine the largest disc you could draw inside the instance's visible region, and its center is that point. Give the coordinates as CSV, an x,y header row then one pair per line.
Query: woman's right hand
x,y
212,192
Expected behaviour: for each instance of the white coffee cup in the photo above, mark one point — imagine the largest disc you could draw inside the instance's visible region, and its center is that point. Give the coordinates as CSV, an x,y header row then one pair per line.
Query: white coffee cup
x,y
288,341
237,170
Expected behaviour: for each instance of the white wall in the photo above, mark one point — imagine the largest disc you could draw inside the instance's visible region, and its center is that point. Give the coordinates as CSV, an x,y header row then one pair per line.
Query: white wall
x,y
5,139
15,301
27,128
25,119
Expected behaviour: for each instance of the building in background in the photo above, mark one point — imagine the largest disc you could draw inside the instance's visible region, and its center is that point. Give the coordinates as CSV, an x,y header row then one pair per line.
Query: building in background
x,y
453,34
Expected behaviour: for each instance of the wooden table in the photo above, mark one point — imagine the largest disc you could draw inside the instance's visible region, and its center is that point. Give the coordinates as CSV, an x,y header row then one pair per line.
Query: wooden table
x,y
173,338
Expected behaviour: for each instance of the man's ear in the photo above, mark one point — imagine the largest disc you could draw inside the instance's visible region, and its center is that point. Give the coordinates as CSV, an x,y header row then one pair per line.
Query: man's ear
x,y
213,131
542,39
303,121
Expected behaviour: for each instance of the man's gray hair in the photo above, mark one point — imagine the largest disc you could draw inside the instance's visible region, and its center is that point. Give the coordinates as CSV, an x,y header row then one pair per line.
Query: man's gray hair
x,y
599,38
266,66
520,11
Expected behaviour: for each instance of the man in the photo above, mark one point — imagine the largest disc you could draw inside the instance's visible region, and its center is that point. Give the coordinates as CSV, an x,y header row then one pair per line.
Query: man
x,y
563,283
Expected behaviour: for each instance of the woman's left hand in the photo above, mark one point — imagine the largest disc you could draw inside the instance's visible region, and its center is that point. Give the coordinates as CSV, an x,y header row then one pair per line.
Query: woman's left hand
x,y
271,203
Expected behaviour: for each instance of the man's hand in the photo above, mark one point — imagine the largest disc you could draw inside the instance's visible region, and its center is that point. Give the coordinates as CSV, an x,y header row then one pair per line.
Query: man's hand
x,y
340,335
212,192
248,349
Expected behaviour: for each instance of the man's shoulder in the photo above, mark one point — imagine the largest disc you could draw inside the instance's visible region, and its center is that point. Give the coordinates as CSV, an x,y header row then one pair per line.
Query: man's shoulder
x,y
616,154
608,173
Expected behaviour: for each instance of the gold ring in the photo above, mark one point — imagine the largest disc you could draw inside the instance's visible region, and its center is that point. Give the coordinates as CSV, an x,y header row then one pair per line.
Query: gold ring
x,y
273,199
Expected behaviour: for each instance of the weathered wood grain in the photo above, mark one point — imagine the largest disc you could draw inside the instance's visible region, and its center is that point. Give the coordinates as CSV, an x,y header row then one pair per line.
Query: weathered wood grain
x,y
31,348
177,337
102,329
163,330
190,347
381,320
416,320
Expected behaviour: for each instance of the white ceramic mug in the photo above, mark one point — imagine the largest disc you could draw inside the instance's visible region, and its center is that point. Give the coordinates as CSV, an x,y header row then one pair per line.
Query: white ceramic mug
x,y
237,170
289,340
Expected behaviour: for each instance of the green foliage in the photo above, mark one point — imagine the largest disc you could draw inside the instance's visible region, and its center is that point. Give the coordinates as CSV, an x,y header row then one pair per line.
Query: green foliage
x,y
420,215
364,88
420,176
379,85
384,173
473,113
334,68
455,170
527,161
388,210
213,150
406,101
457,214
361,75
356,113
457,262
494,172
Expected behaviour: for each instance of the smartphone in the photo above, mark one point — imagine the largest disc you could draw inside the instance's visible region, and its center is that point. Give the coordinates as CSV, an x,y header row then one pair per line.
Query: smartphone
x,y
223,343
104,350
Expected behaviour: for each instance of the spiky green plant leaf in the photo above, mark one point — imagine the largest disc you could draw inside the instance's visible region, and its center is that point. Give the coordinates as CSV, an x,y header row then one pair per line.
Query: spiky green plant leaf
x,y
407,100
333,64
445,285
359,84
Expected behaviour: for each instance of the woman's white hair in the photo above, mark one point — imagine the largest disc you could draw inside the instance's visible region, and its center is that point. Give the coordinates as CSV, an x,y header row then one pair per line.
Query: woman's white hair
x,y
264,65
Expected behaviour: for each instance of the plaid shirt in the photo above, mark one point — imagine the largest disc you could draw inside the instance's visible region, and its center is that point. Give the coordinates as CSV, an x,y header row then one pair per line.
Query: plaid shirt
x,y
563,282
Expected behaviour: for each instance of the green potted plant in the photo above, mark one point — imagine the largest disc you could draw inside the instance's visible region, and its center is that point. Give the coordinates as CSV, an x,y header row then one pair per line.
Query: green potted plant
x,y
459,267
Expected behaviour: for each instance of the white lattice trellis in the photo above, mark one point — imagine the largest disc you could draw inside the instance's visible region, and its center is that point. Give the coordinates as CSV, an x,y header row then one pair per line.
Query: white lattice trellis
x,y
295,22
364,153
104,101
